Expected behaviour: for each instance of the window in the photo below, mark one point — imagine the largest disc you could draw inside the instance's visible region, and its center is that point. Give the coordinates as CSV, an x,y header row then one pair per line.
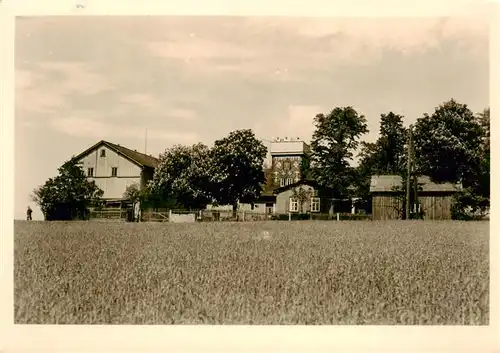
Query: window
x,y
315,204
289,181
294,205
90,172
282,182
114,171
103,153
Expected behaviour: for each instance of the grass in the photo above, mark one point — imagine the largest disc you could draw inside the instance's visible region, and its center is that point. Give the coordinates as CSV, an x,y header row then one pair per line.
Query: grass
x,y
252,273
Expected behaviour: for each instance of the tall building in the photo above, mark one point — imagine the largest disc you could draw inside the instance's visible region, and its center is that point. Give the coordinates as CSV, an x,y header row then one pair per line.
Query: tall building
x,y
287,156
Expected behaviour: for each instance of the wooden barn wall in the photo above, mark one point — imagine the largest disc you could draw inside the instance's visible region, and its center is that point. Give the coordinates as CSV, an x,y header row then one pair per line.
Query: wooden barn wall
x,y
386,207
436,206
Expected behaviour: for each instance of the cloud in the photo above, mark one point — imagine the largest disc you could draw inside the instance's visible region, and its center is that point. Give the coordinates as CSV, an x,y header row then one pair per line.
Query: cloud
x,y
198,47
24,79
140,99
296,121
76,77
29,124
276,48
150,102
48,85
85,127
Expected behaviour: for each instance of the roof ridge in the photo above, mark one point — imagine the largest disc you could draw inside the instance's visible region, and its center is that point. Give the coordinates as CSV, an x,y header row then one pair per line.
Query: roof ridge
x,y
129,149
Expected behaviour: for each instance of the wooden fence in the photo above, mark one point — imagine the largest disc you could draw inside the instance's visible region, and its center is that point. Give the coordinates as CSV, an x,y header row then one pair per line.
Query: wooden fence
x,y
164,215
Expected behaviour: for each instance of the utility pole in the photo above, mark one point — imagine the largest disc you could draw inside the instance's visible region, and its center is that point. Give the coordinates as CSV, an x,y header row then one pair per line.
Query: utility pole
x,y
408,172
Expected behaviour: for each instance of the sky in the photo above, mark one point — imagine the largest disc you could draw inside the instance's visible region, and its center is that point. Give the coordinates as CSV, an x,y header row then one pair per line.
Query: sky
x,y
79,80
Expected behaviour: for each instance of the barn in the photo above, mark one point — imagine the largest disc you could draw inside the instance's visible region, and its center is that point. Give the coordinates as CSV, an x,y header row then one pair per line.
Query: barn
x,y
388,197
436,199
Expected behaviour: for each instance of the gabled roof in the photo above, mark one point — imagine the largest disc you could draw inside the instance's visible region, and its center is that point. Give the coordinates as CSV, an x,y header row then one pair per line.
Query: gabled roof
x,y
140,159
387,183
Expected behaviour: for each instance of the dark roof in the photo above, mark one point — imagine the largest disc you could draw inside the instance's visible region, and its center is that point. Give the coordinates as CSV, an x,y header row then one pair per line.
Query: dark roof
x,y
138,158
387,183
427,185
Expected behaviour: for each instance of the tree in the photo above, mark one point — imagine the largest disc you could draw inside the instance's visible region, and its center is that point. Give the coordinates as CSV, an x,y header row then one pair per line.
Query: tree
x,y
388,155
335,139
183,177
448,144
268,175
68,195
476,197
237,173
452,145
391,144
132,193
302,195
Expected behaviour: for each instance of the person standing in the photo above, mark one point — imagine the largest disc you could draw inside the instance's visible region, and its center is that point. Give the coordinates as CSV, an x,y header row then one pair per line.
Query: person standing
x,y
137,212
29,211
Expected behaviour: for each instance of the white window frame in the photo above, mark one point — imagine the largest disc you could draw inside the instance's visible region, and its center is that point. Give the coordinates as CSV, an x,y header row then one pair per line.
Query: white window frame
x,y
294,205
289,181
315,204
90,172
103,153
282,182
114,168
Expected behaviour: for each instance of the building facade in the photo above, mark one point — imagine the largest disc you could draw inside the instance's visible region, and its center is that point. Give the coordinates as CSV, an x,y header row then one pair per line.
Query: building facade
x,y
299,197
114,168
287,157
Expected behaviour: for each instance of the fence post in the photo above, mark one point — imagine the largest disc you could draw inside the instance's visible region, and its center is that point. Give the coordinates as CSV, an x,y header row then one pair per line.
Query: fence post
x,y
243,216
289,216
338,216
170,215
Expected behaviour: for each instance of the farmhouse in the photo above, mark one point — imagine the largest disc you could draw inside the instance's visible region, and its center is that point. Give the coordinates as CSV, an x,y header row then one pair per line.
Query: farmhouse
x,y
299,197
388,197
114,168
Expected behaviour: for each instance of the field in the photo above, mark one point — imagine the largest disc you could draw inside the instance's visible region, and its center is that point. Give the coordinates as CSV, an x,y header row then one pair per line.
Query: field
x,y
252,273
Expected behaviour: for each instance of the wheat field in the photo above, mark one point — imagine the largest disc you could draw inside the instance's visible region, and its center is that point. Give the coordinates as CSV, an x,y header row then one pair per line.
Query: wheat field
x,y
303,272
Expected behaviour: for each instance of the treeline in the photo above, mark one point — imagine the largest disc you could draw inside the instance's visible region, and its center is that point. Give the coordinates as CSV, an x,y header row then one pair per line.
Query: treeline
x,y
450,145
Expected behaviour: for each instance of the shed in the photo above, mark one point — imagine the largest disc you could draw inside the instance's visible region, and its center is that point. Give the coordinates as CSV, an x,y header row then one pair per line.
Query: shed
x,y
388,197
436,199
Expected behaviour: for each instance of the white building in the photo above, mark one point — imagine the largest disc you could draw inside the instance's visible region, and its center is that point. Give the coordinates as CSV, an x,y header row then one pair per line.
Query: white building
x,y
114,168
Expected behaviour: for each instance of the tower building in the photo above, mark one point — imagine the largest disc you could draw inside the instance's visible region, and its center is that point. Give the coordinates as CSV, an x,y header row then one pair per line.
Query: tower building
x,y
287,156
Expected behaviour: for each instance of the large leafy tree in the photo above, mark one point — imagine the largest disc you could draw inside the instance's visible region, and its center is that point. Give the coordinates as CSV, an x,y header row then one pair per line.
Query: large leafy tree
x,y
335,139
452,145
391,144
448,144
477,195
388,155
68,195
183,175
483,182
237,168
